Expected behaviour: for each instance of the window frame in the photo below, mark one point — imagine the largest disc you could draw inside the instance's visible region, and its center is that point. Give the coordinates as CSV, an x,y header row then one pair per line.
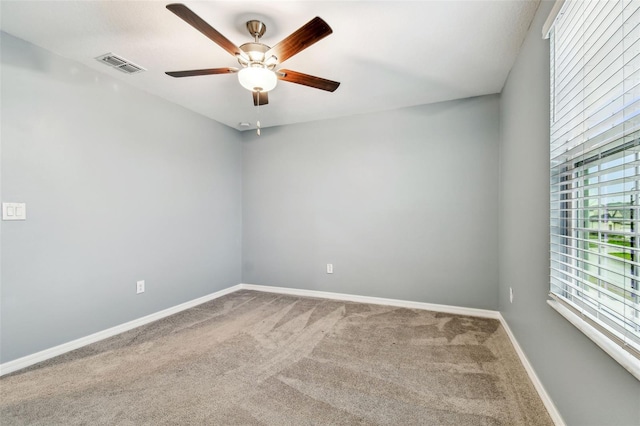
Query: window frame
x,y
569,248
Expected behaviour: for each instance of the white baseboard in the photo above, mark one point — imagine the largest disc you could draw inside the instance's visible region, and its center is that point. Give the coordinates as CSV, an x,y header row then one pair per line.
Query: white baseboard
x,y
483,313
542,392
26,361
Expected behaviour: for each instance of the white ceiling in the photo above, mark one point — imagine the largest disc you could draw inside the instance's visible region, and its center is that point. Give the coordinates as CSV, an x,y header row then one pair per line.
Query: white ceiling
x,y
386,54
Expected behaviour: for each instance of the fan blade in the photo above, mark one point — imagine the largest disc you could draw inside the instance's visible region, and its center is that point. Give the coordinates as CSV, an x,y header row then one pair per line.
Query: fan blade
x,y
308,80
199,24
207,71
263,98
310,33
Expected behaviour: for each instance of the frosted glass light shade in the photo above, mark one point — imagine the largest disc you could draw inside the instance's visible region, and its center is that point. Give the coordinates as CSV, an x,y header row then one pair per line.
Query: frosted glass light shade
x,y
257,79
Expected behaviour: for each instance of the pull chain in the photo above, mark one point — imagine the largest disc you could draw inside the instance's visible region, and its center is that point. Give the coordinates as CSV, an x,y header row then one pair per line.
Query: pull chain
x,y
258,115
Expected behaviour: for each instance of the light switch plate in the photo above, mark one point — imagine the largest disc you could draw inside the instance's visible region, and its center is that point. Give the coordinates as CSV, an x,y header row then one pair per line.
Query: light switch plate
x,y
14,211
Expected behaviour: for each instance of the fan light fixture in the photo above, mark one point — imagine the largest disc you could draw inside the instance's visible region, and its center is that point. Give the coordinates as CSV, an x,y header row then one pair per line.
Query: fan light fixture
x,y
257,79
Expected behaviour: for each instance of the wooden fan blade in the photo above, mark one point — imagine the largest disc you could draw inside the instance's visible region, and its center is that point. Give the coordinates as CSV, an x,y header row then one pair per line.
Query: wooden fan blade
x,y
199,24
263,98
310,33
308,80
208,71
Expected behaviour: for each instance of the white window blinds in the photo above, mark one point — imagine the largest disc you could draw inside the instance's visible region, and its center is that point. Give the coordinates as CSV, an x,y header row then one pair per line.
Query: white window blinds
x,y
595,165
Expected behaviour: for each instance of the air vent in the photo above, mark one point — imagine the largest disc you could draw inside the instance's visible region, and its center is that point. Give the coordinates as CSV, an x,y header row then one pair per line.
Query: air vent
x,y
120,63
130,68
113,60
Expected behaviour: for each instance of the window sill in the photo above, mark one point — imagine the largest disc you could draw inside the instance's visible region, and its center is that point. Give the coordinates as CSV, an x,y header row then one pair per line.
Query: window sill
x,y
625,359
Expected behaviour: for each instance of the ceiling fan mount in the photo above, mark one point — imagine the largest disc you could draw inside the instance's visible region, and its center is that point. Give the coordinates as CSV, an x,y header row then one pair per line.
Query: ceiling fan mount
x,y
258,61
256,28
256,51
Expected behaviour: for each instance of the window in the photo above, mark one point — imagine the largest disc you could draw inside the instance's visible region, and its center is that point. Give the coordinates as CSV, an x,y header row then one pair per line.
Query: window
x,y
595,171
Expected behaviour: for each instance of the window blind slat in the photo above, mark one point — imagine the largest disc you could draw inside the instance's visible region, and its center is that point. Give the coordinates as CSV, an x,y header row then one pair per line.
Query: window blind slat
x,y
595,164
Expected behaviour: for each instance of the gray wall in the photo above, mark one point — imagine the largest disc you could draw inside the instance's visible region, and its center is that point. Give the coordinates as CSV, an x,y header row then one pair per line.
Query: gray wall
x,y
402,203
120,186
587,386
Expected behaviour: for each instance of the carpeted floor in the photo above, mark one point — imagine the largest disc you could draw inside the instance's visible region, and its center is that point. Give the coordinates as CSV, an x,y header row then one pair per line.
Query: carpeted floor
x,y
253,358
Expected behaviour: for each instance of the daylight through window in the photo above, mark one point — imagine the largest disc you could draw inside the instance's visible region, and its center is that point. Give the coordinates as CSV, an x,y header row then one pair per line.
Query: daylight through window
x,y
595,166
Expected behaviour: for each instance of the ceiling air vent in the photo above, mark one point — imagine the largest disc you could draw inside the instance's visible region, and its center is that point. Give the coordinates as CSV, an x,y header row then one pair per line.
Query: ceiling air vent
x,y
119,63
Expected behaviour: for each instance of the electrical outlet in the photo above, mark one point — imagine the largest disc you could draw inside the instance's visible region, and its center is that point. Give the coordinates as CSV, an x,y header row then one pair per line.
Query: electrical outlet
x,y
140,287
510,294
329,268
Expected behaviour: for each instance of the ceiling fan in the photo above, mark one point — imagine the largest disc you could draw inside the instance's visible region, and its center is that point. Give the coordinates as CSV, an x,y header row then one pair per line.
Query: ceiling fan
x,y
258,61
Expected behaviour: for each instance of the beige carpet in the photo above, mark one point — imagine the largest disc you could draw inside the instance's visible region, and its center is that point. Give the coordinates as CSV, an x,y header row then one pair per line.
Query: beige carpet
x,y
253,358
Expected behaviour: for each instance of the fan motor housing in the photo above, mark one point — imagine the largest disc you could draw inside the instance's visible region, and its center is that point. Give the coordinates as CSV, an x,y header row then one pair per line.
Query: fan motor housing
x,y
255,51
